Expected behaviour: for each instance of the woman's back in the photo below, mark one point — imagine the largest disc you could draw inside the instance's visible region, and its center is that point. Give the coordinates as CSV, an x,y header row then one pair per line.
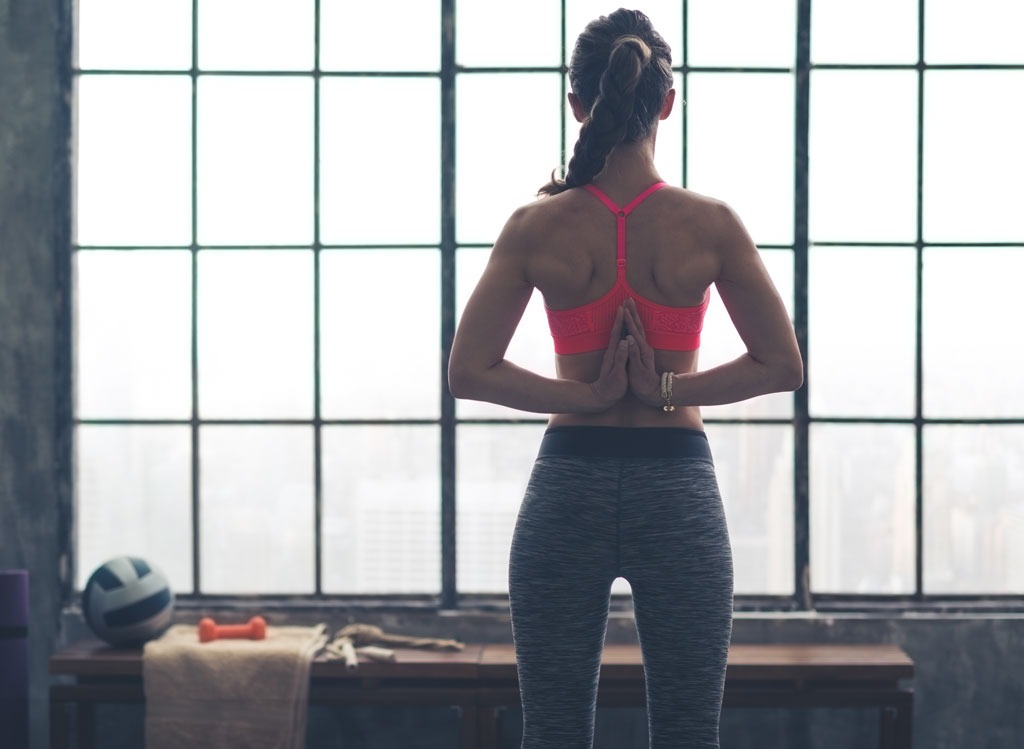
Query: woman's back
x,y
670,254
670,258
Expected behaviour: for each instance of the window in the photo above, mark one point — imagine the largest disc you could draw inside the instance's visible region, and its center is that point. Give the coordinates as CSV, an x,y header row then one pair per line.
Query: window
x,y
273,198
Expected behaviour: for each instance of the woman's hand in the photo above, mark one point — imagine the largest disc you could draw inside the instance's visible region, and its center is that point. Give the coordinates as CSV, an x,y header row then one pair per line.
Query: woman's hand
x,y
613,381
644,380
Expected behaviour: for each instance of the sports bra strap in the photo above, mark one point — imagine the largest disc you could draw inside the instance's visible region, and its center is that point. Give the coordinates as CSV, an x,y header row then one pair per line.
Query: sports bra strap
x,y
620,217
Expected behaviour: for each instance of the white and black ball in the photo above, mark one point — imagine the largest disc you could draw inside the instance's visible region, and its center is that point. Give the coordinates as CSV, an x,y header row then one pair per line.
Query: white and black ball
x,y
127,601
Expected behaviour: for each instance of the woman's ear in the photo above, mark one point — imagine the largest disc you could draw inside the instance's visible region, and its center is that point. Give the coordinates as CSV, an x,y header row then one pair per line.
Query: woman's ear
x,y
666,108
578,110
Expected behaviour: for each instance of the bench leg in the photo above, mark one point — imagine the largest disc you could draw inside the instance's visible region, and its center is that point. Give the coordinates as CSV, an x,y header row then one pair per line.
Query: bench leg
x,y
86,724
60,727
60,732
488,732
897,724
468,732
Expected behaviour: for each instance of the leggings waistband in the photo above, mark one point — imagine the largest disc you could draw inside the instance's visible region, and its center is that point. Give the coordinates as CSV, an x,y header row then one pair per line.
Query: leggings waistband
x,y
625,442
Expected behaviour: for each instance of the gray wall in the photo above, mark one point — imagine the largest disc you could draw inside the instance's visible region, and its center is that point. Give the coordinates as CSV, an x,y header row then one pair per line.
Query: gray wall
x,y
29,234
969,685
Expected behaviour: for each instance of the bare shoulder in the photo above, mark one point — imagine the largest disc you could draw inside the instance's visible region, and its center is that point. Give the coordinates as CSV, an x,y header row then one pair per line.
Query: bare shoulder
x,y
546,214
537,234
709,213
523,226
719,225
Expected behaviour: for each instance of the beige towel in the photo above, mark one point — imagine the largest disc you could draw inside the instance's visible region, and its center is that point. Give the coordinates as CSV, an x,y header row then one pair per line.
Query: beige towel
x,y
249,694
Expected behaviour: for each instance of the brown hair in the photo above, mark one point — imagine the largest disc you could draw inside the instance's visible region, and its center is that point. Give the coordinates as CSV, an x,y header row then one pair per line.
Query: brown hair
x,y
621,71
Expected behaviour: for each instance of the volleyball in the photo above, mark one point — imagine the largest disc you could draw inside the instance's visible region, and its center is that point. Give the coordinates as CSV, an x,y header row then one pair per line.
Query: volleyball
x,y
127,601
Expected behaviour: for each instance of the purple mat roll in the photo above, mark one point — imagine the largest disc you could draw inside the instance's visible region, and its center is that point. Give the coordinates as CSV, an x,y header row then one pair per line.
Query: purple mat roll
x,y
14,658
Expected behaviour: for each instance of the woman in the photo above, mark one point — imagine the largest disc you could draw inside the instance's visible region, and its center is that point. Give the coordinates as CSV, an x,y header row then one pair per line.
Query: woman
x,y
623,485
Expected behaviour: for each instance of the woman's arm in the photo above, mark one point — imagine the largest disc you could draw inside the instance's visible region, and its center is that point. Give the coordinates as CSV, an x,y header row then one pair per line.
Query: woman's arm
x,y
477,368
772,361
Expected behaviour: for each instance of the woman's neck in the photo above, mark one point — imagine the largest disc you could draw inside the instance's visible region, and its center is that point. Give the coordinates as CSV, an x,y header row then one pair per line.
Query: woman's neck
x,y
629,164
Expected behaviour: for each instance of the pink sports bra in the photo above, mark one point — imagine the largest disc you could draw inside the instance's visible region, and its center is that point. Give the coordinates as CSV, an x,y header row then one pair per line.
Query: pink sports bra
x,y
588,327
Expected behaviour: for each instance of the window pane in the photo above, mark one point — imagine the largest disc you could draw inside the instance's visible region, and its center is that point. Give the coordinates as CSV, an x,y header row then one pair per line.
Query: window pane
x,y
665,15
982,31
365,172
133,488
972,302
973,156
134,160
845,320
369,36
507,145
128,34
402,290
740,148
256,35
381,510
851,145
742,33
137,365
531,346
974,518
493,465
255,334
256,509
754,465
862,509
845,32
255,160
524,33
720,343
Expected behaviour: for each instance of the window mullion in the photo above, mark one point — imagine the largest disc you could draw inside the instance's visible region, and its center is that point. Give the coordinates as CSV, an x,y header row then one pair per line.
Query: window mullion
x,y
449,592
801,437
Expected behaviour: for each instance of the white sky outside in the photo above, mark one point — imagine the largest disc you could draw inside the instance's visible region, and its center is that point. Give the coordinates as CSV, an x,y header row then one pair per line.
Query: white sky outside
x,y
380,159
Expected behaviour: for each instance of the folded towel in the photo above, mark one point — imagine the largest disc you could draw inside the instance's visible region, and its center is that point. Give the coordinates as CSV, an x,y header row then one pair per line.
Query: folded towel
x,y
249,694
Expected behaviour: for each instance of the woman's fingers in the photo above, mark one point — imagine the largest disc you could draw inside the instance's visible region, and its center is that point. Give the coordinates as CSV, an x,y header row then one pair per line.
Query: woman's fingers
x,y
632,320
612,352
643,377
635,331
613,382
616,332
615,338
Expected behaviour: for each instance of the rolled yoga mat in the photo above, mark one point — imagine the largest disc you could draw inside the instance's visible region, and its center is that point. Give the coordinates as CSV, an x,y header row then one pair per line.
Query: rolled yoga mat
x,y
14,658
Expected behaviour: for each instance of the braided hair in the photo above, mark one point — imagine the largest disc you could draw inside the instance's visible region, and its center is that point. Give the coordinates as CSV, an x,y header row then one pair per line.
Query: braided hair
x,y
621,71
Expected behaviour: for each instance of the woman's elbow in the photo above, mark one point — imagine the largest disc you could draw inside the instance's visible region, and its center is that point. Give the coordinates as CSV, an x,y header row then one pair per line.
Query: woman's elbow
x,y
782,373
459,381
791,374
463,380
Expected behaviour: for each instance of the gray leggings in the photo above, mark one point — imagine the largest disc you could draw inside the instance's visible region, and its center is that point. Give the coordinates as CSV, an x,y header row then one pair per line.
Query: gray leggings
x,y
643,504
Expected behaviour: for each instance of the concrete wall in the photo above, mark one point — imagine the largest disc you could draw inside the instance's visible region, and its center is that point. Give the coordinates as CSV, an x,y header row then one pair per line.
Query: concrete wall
x,y
32,233
970,687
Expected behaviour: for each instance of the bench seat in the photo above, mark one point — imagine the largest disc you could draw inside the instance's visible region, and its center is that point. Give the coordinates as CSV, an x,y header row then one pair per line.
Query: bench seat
x,y
480,682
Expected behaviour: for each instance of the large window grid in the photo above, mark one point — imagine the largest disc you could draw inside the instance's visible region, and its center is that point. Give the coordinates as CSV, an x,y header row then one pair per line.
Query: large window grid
x,y
454,427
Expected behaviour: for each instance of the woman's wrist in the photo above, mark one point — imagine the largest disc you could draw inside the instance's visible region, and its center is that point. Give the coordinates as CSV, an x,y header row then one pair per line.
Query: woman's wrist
x,y
597,402
650,396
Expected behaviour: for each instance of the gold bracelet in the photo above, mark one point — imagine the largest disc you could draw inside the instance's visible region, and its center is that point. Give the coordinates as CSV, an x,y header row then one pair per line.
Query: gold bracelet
x,y
666,391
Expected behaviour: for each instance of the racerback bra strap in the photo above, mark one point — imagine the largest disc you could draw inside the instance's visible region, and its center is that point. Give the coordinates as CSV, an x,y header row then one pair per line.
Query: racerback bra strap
x,y
620,217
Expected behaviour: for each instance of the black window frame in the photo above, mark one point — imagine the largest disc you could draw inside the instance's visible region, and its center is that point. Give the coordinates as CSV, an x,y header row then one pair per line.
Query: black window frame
x,y
804,599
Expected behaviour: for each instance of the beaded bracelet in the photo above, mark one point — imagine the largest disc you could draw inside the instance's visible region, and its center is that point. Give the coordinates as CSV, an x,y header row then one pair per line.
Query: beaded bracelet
x,y
666,391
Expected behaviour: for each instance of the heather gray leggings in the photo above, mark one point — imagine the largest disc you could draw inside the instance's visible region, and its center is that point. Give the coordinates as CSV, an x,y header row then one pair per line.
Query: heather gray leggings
x,y
642,504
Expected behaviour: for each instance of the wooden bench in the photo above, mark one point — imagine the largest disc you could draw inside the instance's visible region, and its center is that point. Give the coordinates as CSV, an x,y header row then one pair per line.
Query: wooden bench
x,y
481,681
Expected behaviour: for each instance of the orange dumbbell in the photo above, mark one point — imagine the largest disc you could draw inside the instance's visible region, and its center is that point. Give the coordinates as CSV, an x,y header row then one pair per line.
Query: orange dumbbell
x,y
254,629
